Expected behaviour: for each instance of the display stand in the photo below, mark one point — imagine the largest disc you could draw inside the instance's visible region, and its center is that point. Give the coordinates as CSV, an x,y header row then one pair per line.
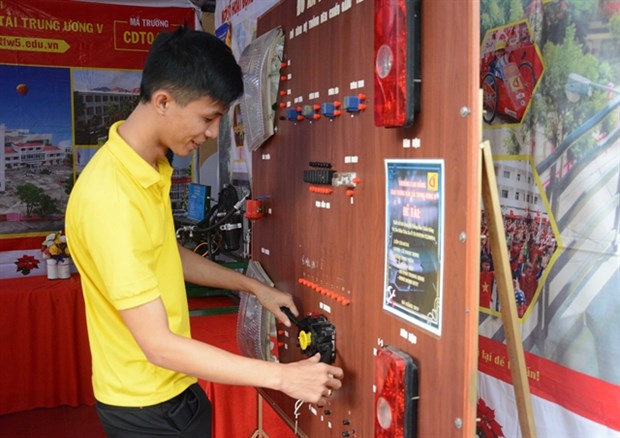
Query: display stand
x,y
508,308
259,432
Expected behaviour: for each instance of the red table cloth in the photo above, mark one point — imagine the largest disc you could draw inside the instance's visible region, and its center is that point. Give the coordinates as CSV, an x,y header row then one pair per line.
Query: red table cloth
x,y
44,355
45,359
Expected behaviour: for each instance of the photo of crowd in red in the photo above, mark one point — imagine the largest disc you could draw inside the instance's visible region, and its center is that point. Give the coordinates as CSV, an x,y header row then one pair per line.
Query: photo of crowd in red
x,y
531,244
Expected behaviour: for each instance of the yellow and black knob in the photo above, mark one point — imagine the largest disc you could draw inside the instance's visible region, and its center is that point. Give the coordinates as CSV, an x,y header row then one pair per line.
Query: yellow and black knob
x,y
305,339
316,335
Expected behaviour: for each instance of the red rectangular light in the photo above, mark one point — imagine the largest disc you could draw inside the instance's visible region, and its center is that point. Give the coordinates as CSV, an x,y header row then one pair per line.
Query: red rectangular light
x,y
396,394
397,53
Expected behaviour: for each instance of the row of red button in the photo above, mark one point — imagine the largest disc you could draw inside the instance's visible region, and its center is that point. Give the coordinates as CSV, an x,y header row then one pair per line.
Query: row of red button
x,y
324,291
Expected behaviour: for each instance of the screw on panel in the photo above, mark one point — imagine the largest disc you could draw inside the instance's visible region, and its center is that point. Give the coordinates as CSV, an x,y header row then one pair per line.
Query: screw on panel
x,y
458,423
463,236
464,111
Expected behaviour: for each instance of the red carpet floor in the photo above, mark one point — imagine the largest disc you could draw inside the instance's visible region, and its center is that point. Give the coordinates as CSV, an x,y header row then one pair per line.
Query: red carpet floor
x,y
235,407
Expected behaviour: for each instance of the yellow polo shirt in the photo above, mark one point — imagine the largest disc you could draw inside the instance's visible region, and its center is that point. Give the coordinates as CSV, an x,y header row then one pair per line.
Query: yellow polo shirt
x,y
120,232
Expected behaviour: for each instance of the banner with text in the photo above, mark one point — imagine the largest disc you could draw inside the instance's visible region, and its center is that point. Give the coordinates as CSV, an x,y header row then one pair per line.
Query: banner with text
x,y
68,70
549,74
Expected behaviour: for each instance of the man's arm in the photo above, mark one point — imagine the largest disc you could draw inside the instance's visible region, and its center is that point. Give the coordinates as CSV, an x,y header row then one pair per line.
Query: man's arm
x,y
204,272
308,379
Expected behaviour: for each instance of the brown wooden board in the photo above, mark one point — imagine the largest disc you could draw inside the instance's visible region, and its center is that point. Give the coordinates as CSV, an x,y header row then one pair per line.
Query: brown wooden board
x,y
341,248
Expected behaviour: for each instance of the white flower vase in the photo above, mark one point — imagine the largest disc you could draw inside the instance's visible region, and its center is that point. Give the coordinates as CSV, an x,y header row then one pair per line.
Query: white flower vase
x,y
52,269
64,268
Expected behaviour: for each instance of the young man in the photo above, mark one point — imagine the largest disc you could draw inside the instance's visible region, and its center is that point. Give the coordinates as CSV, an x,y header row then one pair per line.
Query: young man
x,y
121,234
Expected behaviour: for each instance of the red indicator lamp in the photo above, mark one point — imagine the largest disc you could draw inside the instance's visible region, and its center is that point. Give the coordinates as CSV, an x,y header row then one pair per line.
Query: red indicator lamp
x,y
397,66
396,382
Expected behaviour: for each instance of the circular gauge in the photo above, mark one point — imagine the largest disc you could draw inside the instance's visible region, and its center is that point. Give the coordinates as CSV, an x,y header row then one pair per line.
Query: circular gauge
x,y
384,61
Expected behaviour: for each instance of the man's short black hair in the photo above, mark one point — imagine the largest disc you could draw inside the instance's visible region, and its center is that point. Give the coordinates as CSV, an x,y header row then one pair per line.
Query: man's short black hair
x,y
191,64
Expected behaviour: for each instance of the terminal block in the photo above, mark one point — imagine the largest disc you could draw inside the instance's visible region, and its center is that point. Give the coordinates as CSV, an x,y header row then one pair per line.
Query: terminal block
x,y
319,176
355,104
331,109
320,164
311,112
293,115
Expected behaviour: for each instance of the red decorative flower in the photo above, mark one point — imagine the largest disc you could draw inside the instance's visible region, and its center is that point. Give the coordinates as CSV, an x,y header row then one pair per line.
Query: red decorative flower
x,y
487,426
26,263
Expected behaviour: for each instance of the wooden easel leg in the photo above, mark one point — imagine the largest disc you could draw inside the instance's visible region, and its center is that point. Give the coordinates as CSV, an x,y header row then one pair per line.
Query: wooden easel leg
x,y
259,432
497,240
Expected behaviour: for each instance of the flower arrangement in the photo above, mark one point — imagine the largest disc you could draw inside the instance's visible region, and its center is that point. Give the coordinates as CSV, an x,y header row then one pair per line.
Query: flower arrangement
x,y
487,426
55,246
26,263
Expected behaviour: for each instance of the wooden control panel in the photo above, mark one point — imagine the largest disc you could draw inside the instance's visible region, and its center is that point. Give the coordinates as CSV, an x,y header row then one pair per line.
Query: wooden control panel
x,y
326,243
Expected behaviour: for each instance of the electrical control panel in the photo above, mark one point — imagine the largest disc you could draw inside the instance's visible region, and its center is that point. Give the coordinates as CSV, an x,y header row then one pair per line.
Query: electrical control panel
x,y
324,231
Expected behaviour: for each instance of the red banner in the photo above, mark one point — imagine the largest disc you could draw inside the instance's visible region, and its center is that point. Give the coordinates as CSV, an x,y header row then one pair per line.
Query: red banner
x,y
68,70
587,396
62,33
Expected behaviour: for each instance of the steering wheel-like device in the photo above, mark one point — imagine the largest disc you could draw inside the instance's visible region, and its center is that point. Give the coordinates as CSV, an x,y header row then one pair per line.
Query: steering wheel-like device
x,y
315,335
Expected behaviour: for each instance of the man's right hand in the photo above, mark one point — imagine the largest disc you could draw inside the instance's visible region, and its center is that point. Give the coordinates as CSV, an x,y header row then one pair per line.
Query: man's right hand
x,y
311,380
